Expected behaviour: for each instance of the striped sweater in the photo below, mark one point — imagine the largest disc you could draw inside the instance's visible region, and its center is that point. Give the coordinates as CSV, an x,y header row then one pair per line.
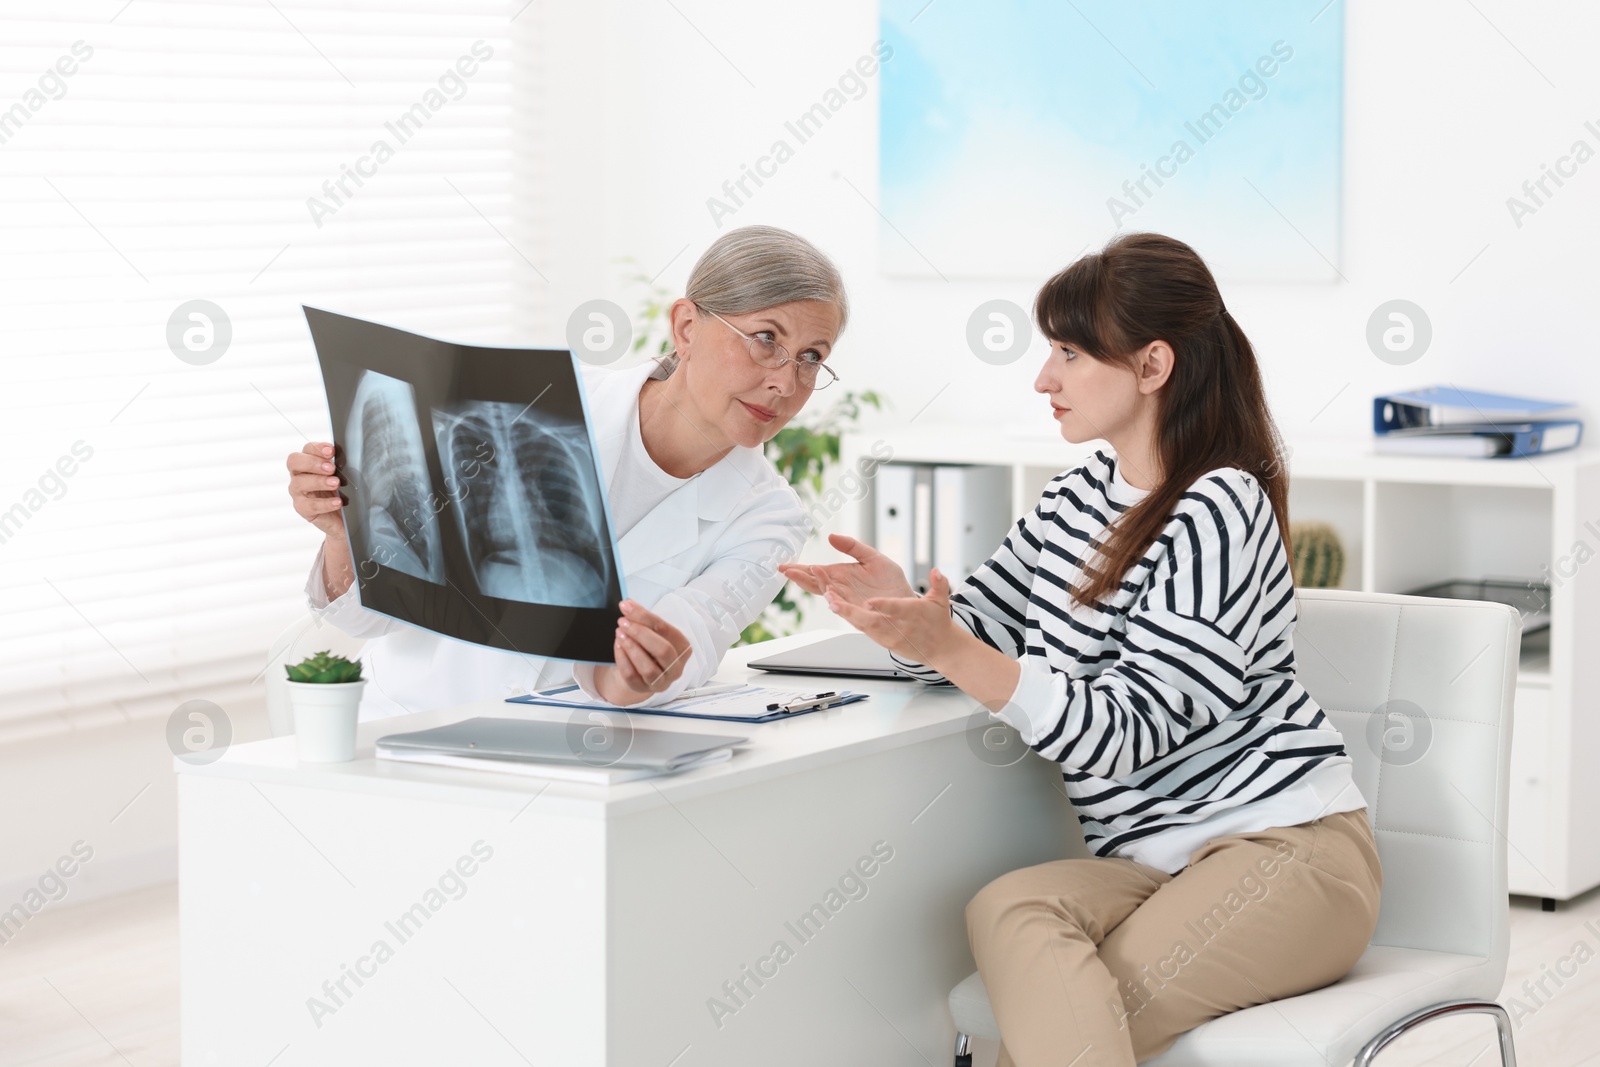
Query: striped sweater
x,y
1173,708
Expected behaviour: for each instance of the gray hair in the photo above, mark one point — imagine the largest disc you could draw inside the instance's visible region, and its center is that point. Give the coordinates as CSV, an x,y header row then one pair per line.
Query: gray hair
x,y
757,267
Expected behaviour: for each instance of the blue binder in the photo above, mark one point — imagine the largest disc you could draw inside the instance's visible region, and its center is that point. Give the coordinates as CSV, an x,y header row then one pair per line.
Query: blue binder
x,y
1445,405
1508,441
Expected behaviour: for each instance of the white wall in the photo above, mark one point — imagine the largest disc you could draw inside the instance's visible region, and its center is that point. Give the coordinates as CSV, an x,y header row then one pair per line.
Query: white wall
x,y
110,787
1444,119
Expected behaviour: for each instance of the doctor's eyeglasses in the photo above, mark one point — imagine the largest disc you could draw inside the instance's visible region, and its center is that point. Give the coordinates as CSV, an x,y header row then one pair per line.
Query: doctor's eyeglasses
x,y
765,350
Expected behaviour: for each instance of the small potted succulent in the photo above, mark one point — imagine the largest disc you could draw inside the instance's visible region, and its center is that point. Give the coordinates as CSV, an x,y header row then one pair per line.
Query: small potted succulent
x,y
325,692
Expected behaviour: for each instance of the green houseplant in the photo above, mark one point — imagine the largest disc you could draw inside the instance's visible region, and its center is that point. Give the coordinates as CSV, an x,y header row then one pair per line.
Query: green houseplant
x,y
325,693
324,669
803,451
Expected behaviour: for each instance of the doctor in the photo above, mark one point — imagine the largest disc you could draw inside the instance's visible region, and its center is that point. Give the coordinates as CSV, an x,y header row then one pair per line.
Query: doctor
x,y
702,519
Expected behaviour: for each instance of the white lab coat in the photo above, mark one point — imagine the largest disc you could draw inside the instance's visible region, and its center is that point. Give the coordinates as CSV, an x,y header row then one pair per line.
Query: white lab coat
x,y
705,559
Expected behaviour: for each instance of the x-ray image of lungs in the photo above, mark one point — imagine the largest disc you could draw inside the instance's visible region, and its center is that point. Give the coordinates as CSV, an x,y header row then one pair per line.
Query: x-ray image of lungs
x,y
389,479
531,514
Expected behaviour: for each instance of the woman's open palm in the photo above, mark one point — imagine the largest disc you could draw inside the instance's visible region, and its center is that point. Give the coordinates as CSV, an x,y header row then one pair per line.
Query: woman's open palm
x,y
870,574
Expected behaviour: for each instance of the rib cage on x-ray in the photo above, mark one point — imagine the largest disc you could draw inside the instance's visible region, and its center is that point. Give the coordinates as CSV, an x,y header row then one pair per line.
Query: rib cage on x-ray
x,y
531,515
388,475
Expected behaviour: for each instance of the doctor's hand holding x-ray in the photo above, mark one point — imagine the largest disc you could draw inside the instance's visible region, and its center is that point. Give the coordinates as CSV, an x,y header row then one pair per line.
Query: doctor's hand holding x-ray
x,y
702,518
650,652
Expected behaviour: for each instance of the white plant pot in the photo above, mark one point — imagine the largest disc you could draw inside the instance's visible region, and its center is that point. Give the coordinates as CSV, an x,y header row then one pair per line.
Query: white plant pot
x,y
325,720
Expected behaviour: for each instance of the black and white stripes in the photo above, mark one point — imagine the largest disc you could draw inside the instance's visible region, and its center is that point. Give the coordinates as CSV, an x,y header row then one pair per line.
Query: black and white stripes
x,y
1172,708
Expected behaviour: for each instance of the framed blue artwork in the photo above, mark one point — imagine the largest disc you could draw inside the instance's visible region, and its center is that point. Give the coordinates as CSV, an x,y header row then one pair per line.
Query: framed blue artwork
x,y
1018,134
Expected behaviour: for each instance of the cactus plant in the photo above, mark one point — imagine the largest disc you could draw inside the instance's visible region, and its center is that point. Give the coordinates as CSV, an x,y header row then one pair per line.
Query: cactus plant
x,y
1318,555
324,668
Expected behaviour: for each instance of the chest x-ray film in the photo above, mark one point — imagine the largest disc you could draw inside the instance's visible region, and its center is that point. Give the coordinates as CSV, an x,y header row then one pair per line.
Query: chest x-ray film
x,y
475,506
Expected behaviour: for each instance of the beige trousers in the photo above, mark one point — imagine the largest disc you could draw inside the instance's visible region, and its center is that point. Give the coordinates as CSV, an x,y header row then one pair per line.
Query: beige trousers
x,y
1104,962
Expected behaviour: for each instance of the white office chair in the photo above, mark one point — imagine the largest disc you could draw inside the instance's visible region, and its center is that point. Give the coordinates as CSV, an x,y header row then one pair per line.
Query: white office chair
x,y
302,637
1438,809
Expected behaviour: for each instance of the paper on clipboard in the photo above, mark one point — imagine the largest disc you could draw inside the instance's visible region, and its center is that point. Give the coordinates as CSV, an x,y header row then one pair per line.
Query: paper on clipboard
x,y
746,702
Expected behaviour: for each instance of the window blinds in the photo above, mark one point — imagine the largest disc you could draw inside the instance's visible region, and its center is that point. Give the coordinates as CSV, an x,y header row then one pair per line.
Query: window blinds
x,y
252,156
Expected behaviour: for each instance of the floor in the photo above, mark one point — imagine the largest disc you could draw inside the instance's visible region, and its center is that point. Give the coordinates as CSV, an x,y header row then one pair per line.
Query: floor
x,y
96,985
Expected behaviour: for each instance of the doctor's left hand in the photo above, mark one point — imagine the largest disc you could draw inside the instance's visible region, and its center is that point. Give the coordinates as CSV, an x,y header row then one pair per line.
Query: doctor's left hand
x,y
650,652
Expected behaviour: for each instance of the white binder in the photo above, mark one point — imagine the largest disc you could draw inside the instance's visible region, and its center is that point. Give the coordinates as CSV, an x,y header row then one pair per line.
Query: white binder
x,y
952,517
921,528
893,505
972,515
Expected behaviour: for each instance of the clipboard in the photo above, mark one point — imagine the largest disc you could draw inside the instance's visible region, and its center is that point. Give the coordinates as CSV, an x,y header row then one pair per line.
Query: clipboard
x,y
551,698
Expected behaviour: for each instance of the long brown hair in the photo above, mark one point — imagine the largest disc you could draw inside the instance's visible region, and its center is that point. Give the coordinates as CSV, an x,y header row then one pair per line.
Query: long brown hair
x,y
1211,411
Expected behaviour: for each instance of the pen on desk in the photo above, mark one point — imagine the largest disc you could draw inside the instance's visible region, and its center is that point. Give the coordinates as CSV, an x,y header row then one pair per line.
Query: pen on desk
x,y
821,700
712,690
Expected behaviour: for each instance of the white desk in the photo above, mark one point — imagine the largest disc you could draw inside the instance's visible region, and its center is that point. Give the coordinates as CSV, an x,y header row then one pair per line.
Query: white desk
x,y
606,922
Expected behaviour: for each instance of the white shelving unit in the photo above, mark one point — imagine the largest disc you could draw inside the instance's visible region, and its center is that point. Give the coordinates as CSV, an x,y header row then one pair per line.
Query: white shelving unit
x,y
1407,523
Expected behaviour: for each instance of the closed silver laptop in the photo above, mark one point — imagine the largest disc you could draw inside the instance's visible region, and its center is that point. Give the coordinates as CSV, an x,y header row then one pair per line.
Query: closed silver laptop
x,y
853,655
576,742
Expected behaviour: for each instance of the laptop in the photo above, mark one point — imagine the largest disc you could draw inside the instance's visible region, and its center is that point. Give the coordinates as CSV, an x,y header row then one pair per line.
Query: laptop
x,y
852,655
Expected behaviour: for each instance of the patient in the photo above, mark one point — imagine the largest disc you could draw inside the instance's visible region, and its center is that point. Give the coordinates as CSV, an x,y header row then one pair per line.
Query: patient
x,y
1136,627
